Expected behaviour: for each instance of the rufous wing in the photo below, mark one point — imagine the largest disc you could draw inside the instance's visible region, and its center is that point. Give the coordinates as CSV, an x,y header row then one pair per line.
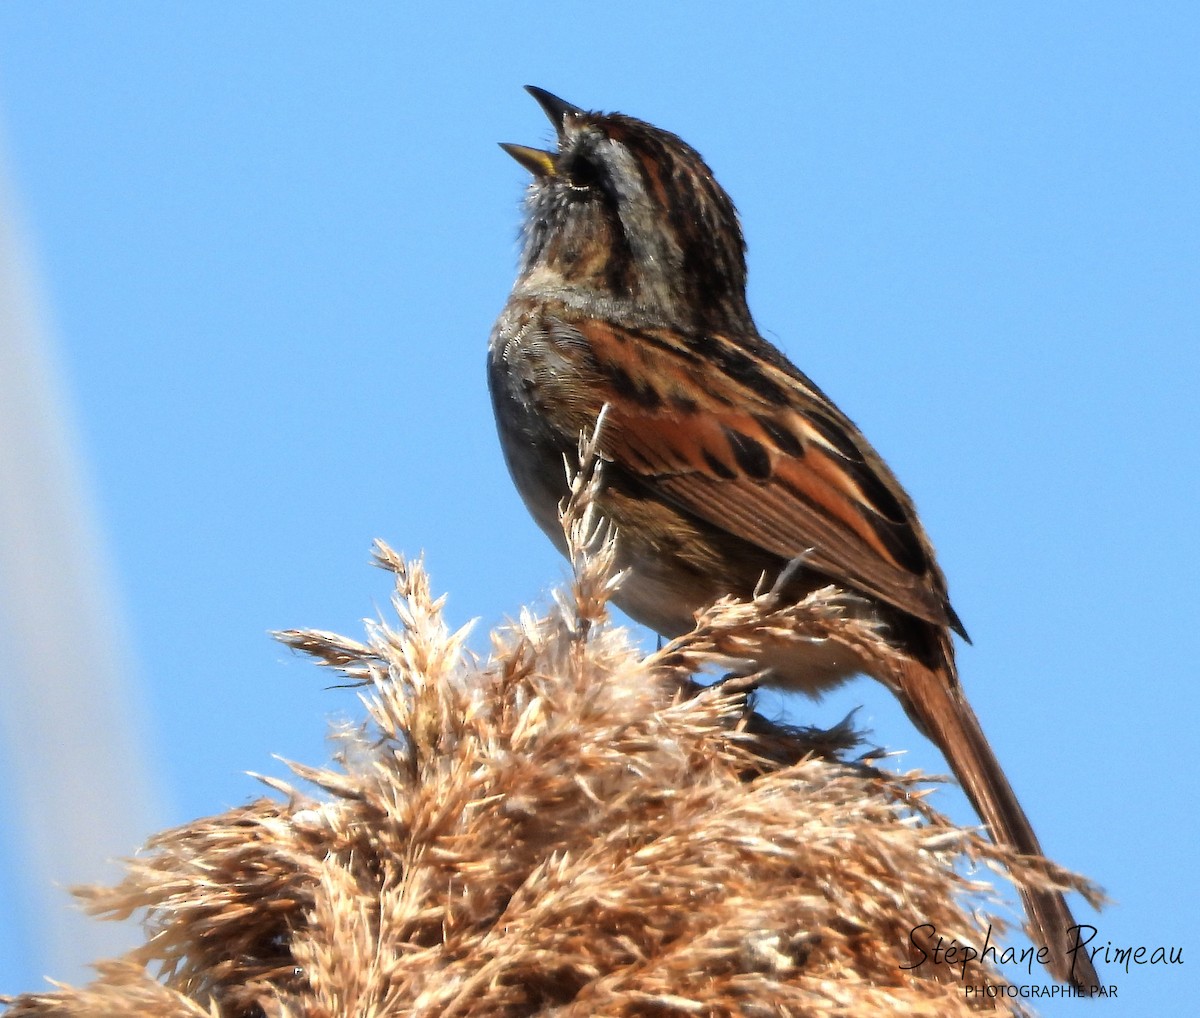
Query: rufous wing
x,y
744,441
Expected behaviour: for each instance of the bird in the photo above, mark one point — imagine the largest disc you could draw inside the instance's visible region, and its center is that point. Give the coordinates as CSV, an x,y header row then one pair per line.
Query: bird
x,y
723,462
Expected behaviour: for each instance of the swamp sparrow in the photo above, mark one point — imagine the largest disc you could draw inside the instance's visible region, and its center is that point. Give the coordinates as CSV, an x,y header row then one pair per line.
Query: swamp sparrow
x,y
723,462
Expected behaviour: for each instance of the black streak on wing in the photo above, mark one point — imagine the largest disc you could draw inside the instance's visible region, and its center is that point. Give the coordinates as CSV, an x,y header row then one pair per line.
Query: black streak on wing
x,y
684,403
744,369
879,496
787,442
719,468
750,455
900,540
835,436
644,395
689,351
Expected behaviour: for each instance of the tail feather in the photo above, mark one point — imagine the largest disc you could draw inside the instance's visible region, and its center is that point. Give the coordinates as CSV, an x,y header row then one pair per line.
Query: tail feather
x,y
936,704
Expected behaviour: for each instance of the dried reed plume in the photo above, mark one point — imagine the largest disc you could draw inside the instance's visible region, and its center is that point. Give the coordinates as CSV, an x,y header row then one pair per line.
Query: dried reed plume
x,y
569,828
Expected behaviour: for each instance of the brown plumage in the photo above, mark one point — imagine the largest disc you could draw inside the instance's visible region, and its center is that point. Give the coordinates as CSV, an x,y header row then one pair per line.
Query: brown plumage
x,y
725,462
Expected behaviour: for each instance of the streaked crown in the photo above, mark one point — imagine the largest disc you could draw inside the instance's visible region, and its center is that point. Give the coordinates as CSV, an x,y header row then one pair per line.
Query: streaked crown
x,y
630,212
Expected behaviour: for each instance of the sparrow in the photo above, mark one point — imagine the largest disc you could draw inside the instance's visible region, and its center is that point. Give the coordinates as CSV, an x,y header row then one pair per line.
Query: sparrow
x,y
723,462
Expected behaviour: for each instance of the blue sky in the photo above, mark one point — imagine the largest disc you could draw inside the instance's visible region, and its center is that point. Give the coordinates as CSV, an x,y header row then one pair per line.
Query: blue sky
x,y
272,240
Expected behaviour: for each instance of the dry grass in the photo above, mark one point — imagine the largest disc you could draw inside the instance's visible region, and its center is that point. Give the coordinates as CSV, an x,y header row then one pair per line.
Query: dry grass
x,y
567,829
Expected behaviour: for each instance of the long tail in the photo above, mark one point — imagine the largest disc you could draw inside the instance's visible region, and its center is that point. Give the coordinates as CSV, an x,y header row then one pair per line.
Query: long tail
x,y
935,703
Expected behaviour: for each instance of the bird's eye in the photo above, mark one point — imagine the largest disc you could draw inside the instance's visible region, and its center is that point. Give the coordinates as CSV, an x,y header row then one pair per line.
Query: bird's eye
x,y
582,174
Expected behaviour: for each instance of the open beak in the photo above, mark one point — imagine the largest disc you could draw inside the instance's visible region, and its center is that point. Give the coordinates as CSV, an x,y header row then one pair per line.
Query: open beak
x,y
537,161
555,108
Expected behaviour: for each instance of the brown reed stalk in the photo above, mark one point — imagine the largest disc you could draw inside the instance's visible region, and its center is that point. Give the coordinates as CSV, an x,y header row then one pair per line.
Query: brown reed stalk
x,y
570,828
